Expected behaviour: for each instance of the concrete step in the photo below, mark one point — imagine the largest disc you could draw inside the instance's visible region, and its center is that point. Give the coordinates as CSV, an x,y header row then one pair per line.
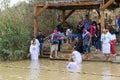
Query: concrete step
x,y
44,56
66,50
47,50
116,59
46,53
66,46
65,59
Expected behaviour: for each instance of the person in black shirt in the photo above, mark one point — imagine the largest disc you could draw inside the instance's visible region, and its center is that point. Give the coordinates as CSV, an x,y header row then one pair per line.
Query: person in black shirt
x,y
41,37
97,38
78,45
80,27
59,27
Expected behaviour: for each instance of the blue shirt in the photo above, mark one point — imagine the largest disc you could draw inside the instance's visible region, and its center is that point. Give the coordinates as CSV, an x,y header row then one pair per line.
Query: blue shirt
x,y
87,24
119,22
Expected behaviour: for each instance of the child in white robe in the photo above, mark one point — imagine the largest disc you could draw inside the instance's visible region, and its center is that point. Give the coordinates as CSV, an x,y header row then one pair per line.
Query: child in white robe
x,y
34,50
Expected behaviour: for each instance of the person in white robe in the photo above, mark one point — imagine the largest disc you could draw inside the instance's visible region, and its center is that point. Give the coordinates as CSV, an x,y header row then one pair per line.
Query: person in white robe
x,y
34,50
105,40
36,40
74,61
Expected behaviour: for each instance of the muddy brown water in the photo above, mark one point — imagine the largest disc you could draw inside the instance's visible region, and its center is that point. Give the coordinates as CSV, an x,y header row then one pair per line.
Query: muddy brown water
x,y
46,69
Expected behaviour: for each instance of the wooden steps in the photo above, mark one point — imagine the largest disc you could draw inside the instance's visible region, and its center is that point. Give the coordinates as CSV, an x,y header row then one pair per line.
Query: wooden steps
x,y
116,59
63,59
66,50
44,56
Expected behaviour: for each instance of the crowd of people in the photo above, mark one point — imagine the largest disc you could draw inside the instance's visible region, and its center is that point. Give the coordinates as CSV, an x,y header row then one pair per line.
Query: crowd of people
x,y
92,36
89,34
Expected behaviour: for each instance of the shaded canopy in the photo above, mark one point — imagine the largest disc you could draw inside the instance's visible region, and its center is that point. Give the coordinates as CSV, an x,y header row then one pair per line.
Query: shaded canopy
x,y
69,5
76,4
73,5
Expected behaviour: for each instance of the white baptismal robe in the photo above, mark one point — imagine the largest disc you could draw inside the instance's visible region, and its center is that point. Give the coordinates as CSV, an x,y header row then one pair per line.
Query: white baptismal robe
x,y
34,51
77,57
75,66
37,42
106,38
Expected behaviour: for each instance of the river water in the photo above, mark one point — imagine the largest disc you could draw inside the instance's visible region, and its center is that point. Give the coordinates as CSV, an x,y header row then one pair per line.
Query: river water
x,y
46,69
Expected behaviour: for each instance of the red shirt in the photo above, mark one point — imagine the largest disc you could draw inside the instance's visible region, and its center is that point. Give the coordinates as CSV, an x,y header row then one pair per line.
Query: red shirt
x,y
92,30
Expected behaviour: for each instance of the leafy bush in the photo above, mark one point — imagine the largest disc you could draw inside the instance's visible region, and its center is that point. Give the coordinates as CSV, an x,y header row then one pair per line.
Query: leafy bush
x,y
15,33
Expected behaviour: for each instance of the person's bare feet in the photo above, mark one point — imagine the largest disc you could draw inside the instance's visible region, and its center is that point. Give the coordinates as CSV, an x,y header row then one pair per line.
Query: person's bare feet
x,y
51,57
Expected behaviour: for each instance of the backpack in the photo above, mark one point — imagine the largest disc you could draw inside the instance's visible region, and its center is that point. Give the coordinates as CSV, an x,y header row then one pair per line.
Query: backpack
x,y
54,40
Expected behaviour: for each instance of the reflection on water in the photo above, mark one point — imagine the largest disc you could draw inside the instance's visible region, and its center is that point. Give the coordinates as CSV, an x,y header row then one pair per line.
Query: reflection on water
x,y
73,67
107,73
46,69
34,70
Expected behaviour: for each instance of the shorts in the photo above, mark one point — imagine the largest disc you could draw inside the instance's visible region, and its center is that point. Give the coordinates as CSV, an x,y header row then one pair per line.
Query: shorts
x,y
54,47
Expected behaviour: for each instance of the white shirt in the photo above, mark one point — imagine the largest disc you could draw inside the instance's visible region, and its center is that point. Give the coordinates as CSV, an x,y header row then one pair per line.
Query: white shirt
x,y
106,38
68,32
112,36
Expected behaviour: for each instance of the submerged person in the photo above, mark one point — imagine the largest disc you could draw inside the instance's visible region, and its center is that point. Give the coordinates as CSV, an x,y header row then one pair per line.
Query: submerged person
x,y
34,50
75,60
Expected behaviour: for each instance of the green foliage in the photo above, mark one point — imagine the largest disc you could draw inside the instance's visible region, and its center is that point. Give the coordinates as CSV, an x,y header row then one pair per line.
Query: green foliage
x,y
16,27
5,54
73,22
15,33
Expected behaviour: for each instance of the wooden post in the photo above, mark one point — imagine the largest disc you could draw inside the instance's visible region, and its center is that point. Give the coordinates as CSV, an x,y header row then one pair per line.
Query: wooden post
x,y
35,21
42,10
107,4
102,17
63,16
102,20
70,13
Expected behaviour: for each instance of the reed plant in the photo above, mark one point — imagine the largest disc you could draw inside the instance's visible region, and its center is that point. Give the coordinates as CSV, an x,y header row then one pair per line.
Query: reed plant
x,y
15,33
16,29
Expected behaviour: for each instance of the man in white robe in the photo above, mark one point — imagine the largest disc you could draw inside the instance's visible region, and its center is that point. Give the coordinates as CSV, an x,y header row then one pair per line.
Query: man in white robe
x,y
105,40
